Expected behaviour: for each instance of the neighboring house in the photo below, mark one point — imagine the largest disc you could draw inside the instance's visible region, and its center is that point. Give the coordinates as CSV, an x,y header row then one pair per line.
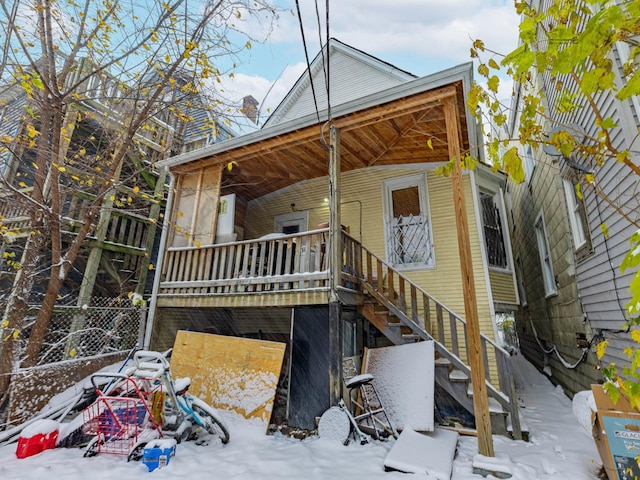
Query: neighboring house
x,y
246,251
117,256
569,250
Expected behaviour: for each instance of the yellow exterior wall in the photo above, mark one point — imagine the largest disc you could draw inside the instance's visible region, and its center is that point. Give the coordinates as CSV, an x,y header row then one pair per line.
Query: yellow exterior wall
x,y
361,195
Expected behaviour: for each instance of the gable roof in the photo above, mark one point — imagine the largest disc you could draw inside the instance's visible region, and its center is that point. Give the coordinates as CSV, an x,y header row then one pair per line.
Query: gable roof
x,y
346,65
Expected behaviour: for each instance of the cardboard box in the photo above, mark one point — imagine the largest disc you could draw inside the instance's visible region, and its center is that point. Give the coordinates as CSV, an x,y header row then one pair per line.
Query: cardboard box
x,y
616,431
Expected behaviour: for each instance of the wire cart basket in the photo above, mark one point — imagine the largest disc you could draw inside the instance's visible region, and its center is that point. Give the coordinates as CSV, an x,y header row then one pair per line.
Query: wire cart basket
x,y
121,419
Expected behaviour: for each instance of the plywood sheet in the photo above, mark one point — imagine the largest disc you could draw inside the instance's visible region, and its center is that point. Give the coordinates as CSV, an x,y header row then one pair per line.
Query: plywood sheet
x,y
403,376
431,454
230,373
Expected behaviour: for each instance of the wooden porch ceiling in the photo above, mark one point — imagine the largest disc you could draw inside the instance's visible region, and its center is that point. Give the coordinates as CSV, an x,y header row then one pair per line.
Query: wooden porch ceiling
x,y
397,132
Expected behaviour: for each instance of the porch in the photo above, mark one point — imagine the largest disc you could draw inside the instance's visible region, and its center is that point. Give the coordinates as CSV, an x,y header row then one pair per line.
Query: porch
x,y
275,270
292,271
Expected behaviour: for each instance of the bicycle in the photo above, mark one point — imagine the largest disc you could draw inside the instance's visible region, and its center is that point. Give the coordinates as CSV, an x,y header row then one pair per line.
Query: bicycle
x,y
182,413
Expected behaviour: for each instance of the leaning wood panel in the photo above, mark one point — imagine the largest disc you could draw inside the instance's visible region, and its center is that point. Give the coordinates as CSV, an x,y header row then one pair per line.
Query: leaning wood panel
x,y
229,373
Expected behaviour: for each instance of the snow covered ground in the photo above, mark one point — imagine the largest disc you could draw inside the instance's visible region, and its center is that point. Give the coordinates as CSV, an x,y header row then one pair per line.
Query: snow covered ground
x,y
559,449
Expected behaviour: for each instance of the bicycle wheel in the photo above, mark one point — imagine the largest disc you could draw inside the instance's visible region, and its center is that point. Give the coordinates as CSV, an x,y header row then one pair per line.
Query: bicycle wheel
x,y
210,418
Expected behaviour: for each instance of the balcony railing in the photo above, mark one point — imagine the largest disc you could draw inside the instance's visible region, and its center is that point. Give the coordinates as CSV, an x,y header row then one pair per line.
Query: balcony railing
x,y
273,263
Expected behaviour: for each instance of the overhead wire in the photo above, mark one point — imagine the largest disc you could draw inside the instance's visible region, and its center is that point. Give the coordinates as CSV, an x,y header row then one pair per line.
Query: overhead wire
x,y
306,55
325,58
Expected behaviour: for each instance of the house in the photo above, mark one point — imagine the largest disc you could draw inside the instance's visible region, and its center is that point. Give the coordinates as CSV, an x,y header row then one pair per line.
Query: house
x,y
569,249
116,257
252,248
93,323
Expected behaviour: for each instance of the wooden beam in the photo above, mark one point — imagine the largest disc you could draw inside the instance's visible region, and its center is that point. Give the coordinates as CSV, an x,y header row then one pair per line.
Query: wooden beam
x,y
310,134
400,134
480,400
335,267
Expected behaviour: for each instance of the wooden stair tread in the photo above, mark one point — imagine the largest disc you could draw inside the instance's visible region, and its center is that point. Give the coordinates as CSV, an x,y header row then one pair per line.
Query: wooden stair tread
x,y
456,375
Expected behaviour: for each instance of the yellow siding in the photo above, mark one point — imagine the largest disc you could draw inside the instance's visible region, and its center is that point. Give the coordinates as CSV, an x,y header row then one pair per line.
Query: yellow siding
x,y
361,193
502,287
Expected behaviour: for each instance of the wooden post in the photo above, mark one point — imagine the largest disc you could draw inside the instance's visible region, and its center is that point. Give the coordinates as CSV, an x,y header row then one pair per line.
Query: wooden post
x,y
154,214
335,267
480,401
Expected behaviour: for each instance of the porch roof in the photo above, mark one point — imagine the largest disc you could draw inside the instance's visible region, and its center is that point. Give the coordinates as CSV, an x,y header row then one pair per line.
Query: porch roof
x,y
388,128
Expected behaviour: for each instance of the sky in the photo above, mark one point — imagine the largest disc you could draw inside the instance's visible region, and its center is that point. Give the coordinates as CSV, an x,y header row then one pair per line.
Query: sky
x,y
419,36
560,448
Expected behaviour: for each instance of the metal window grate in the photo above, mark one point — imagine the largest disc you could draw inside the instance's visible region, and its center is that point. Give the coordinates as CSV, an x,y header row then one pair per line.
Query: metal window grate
x,y
493,235
410,242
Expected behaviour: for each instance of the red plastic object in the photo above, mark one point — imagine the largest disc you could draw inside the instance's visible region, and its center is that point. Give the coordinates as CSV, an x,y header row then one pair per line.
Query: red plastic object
x,y
28,446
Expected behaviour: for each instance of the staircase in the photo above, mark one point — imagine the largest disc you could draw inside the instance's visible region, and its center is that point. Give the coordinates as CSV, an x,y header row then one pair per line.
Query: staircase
x,y
404,312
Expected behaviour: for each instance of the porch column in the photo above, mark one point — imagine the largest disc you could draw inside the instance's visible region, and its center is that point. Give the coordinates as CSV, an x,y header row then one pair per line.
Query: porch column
x,y
335,267
480,401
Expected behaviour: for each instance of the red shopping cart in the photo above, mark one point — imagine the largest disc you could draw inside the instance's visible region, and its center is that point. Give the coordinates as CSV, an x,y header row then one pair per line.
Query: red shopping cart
x,y
121,419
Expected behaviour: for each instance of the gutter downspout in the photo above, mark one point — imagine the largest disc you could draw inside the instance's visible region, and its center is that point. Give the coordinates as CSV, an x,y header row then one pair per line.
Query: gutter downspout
x,y
161,250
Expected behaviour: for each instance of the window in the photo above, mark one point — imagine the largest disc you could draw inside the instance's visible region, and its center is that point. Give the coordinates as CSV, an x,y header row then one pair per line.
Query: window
x,y
407,226
289,223
493,233
545,257
521,285
528,162
577,219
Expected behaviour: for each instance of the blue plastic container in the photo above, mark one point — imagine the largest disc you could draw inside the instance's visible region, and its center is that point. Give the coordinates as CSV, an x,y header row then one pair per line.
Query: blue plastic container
x,y
157,453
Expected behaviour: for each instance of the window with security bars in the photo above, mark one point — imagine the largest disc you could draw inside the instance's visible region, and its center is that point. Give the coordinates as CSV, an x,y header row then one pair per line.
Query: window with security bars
x,y
409,240
493,233
408,232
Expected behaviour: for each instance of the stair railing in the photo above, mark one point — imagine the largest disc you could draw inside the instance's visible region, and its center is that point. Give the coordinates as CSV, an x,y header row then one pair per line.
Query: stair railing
x,y
431,320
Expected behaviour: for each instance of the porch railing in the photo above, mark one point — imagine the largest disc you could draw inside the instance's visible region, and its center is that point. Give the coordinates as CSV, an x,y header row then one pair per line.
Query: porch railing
x,y
267,264
431,320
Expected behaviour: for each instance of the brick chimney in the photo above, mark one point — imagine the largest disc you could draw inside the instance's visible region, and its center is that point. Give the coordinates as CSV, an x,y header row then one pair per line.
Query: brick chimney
x,y
250,108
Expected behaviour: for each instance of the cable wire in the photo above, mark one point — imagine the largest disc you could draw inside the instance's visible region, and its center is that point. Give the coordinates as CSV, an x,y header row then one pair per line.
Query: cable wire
x,y
325,58
555,350
306,55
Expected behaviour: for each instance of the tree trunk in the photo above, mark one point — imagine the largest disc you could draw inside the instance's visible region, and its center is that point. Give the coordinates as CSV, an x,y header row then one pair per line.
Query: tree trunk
x,y
17,309
43,319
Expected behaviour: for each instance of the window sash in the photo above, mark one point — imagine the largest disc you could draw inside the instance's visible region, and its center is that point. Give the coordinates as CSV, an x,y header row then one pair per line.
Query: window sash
x,y
575,215
545,258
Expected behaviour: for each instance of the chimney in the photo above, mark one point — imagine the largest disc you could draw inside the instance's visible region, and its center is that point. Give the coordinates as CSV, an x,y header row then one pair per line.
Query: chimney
x,y
250,108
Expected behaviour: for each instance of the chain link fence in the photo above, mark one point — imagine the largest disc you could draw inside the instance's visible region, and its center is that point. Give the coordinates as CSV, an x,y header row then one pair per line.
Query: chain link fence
x,y
99,327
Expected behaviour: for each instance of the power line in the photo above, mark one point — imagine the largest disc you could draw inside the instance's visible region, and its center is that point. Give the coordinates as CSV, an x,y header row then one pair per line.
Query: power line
x,y
325,60
306,55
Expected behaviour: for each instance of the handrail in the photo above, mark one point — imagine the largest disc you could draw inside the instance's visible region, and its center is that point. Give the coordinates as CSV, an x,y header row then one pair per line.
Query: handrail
x,y
393,294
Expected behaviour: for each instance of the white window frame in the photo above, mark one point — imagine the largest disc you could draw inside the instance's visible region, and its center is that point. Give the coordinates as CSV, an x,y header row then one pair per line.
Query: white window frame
x,y
528,162
546,261
522,287
624,50
499,205
418,180
574,208
299,218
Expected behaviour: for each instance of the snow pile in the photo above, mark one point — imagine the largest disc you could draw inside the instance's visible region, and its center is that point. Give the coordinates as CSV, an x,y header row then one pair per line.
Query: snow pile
x,y
584,407
558,450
